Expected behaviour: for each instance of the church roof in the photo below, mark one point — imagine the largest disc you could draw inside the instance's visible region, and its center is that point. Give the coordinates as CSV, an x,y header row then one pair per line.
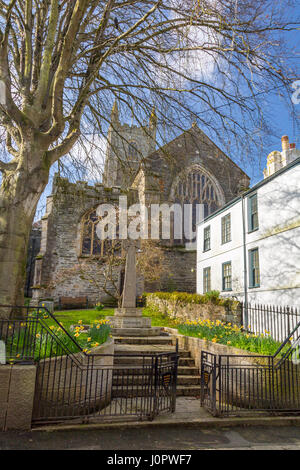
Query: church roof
x,y
190,140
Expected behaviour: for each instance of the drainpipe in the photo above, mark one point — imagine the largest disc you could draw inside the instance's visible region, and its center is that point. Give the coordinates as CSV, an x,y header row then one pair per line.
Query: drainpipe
x,y
245,265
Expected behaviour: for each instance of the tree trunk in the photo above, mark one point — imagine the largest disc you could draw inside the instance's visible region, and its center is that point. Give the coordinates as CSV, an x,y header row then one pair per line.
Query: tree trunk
x,y
19,194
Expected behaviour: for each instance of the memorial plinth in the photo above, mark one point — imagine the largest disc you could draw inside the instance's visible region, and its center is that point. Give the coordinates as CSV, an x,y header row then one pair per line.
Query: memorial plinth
x,y
128,316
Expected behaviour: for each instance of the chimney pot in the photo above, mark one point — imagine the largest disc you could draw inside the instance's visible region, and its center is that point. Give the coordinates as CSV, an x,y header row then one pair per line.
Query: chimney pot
x,y
285,142
292,146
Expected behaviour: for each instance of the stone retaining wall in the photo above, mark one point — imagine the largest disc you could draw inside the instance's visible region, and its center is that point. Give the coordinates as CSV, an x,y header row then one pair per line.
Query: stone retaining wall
x,y
75,384
17,385
60,386
195,312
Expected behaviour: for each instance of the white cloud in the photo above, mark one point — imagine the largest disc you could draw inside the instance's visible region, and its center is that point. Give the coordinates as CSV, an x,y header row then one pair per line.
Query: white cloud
x,y
198,56
89,154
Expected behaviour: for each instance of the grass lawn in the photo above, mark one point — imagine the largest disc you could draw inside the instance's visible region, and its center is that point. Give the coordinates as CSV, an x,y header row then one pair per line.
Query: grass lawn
x,y
88,316
159,319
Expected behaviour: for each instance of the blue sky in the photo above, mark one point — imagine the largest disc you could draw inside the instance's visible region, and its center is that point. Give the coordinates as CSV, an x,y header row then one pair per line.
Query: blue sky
x,y
282,120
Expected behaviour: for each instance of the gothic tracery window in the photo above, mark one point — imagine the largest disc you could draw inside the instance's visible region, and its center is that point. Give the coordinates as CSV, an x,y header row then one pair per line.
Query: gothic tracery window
x,y
195,187
91,244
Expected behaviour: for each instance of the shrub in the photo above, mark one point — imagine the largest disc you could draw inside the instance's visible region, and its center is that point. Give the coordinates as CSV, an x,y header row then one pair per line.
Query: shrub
x,y
99,306
187,298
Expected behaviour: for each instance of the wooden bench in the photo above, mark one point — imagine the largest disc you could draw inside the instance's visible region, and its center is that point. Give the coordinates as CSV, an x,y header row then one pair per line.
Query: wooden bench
x,y
73,302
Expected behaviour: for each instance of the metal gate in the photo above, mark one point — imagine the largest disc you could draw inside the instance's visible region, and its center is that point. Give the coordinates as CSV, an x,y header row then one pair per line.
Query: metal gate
x,y
67,388
235,384
71,384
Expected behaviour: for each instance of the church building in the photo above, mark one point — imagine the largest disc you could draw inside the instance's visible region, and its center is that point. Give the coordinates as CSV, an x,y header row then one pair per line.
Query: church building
x,y
190,169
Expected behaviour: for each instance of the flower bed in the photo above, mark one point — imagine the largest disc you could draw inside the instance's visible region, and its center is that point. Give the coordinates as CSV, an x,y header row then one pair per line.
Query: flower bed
x,y
48,339
219,332
230,335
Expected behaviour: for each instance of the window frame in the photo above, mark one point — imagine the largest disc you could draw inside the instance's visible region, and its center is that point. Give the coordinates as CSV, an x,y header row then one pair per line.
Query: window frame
x,y
225,232
252,268
251,213
224,288
206,280
206,239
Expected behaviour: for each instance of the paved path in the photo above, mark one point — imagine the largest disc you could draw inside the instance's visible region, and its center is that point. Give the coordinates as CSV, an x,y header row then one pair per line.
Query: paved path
x,y
156,439
190,428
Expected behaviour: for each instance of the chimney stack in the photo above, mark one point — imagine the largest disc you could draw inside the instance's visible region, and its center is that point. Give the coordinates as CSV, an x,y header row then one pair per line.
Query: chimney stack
x,y
285,143
277,160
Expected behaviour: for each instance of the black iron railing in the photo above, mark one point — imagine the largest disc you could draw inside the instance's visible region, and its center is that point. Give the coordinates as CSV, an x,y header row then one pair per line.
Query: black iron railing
x,y
278,321
235,384
72,383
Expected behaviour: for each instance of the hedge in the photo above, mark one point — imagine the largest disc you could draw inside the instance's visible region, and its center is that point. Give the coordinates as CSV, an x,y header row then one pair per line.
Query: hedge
x,y
186,298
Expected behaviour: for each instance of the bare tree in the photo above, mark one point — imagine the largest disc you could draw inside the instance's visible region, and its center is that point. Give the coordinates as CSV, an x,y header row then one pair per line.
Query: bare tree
x,y
62,62
104,274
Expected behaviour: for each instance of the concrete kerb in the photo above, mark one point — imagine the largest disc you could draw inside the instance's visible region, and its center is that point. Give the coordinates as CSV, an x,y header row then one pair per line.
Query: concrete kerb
x,y
197,423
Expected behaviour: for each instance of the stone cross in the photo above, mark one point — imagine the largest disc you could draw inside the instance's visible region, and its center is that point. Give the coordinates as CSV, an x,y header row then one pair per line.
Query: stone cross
x,y
2,353
129,291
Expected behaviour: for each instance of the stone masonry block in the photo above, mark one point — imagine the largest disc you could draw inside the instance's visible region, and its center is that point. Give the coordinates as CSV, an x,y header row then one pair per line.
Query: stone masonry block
x,y
20,397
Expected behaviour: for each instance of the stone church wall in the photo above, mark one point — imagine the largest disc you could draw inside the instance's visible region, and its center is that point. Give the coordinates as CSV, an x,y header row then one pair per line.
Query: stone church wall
x,y
60,269
180,272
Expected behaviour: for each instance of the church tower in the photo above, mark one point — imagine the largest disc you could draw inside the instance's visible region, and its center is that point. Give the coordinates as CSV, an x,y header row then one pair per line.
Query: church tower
x,y
127,146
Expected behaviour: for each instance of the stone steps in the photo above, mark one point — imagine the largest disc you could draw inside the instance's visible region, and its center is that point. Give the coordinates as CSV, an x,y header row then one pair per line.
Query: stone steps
x,y
147,350
134,383
137,369
186,361
129,332
144,340
187,370
125,381
136,391
188,391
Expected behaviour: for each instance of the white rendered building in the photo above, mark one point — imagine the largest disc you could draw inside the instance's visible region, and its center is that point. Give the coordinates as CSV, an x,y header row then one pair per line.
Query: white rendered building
x,y
250,248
